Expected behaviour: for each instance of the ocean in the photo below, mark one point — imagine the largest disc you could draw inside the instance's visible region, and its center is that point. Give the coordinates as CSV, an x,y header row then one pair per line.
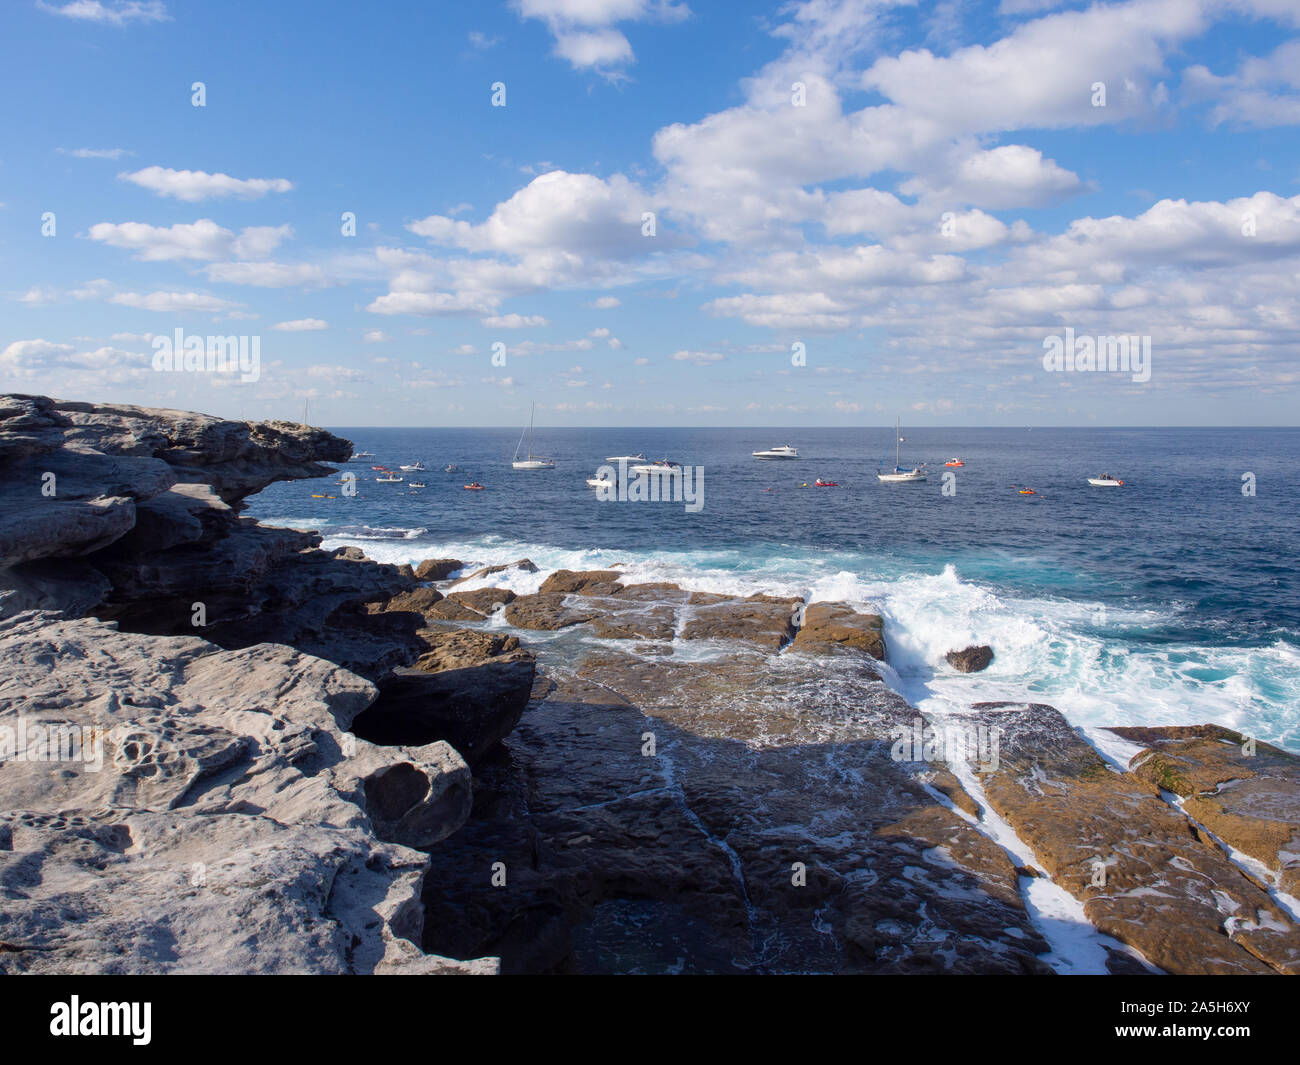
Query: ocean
x,y
1171,600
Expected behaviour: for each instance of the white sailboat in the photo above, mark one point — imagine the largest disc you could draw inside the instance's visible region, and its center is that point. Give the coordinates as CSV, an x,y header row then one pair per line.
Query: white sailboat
x,y
900,475
530,463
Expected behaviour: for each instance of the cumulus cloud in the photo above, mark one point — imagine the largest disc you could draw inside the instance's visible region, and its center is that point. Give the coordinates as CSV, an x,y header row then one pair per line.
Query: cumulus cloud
x,y
584,31
203,239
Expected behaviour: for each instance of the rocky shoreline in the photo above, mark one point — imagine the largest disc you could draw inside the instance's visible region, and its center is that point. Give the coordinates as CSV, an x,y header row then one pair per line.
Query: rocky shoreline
x,y
313,762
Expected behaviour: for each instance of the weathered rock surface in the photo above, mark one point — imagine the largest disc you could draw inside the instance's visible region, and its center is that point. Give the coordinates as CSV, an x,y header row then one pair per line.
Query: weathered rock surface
x,y
229,823
1246,793
970,659
469,689
744,840
1175,897
763,621
546,612
837,626
587,582
437,569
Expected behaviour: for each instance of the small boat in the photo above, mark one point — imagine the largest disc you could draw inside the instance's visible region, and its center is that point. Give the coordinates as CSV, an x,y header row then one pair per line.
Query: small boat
x,y
451,468
381,469
1105,481
361,456
530,463
475,487
392,478
600,482
819,483
416,484
626,458
785,451
900,475
954,462
1027,492
415,467
662,466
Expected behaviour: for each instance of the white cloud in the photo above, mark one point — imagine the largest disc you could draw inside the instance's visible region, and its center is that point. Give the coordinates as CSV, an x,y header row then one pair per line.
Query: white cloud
x,y
203,239
114,12
557,212
173,301
302,325
584,29
514,321
269,274
194,185
700,358
605,303
94,153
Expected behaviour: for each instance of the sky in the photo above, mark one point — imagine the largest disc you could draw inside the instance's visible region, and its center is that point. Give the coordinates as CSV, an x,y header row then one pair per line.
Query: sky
x,y
649,212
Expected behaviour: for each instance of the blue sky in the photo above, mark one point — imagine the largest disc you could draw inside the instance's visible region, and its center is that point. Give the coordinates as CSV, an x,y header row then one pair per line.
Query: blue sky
x,y
943,195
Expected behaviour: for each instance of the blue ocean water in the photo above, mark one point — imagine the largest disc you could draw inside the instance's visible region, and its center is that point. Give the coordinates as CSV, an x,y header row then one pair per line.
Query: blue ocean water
x,y
1171,600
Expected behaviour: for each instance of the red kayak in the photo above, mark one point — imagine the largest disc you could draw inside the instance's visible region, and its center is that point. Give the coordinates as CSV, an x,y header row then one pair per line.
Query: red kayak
x,y
475,487
825,484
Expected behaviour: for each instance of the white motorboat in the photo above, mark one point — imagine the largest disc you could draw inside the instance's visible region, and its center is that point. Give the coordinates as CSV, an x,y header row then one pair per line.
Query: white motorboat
x,y
392,478
601,482
661,467
898,475
783,452
626,458
415,467
530,463
1105,481
415,484
361,456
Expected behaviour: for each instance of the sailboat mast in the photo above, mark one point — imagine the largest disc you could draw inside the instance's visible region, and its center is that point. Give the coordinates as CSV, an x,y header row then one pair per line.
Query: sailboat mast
x,y
532,411
898,440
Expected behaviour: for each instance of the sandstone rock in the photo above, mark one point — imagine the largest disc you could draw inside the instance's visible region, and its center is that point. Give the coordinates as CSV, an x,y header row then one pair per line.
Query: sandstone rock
x,y
768,623
1183,904
484,600
1248,795
437,569
417,600
450,609
589,582
230,824
837,626
653,623
469,689
971,659
682,860
546,612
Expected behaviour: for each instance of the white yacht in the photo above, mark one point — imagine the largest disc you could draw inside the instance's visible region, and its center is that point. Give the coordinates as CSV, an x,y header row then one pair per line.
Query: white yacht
x,y
783,452
899,475
415,467
662,466
626,458
1105,481
530,463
